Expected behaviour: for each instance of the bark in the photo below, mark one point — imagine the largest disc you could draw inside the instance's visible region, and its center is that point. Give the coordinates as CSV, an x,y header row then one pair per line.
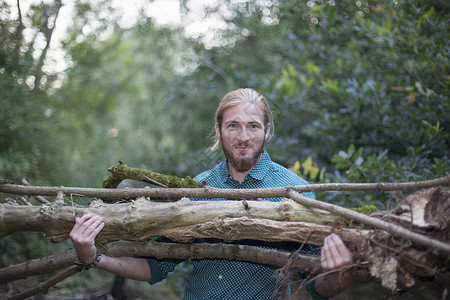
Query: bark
x,y
182,221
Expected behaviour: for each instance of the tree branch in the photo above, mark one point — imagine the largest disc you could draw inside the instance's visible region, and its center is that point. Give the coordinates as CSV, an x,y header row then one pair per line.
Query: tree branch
x,y
43,286
19,32
208,192
37,197
396,230
48,32
276,258
121,171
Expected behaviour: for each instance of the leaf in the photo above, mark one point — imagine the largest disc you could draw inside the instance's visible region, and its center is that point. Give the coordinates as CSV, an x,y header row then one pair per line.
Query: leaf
x,y
343,154
419,88
337,159
307,164
312,68
313,173
440,167
359,161
351,150
411,97
296,167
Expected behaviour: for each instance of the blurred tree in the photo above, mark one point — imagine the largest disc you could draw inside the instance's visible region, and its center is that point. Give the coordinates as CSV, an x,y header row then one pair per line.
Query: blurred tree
x,y
24,41
370,77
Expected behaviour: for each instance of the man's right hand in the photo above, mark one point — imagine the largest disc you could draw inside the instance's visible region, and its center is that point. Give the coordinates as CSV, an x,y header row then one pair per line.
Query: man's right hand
x,y
83,236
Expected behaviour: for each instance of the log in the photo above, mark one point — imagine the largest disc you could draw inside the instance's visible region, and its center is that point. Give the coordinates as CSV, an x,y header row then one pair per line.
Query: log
x,y
47,265
183,221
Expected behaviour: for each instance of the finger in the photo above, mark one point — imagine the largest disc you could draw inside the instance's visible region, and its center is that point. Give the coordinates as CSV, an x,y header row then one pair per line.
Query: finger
x,y
84,226
343,251
328,260
90,225
323,259
97,230
80,220
83,218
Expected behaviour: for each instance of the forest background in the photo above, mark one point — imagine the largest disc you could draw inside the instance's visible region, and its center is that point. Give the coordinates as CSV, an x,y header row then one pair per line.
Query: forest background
x,y
359,92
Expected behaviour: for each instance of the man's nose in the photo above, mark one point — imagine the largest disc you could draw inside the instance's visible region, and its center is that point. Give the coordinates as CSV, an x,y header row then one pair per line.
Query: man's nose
x,y
243,134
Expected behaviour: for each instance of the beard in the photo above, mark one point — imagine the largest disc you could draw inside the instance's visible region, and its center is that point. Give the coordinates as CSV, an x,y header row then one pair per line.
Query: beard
x,y
242,164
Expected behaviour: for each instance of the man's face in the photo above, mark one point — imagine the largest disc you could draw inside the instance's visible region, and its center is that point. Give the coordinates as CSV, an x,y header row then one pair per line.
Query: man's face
x,y
242,136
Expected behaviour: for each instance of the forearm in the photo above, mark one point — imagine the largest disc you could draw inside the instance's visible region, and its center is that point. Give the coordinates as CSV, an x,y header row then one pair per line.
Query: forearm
x,y
128,267
327,287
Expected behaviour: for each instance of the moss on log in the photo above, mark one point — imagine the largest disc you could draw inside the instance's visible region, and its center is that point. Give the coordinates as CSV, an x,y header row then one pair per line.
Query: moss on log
x,y
121,171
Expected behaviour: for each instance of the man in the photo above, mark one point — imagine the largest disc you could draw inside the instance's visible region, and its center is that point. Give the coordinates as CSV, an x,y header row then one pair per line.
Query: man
x,y
242,125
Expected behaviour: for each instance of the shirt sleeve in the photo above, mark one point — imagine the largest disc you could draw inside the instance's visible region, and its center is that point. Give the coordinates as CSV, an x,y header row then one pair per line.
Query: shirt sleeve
x,y
160,268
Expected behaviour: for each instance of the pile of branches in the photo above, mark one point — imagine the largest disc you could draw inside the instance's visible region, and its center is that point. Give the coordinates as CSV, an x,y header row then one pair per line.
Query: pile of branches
x,y
401,248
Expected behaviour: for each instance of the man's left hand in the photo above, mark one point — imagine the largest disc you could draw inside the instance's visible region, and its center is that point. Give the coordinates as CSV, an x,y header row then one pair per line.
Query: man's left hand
x,y
335,256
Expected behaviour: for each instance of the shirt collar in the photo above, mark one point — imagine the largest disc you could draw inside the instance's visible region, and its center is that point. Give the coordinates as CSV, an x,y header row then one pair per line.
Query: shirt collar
x,y
258,172
262,167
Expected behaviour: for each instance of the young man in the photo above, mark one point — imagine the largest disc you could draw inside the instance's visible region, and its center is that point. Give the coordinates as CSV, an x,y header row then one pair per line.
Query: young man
x,y
243,123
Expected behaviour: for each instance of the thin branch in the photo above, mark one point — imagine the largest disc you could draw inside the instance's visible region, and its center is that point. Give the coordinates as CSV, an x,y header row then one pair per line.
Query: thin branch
x,y
40,266
49,29
208,192
149,180
19,31
25,201
43,286
37,197
376,223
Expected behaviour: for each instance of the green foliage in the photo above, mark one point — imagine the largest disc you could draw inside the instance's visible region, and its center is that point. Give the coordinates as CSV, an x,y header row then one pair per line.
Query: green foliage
x,y
369,80
359,92
308,170
365,209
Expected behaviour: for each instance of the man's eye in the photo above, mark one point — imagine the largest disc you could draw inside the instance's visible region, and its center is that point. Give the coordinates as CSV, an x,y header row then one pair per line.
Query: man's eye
x,y
253,126
232,125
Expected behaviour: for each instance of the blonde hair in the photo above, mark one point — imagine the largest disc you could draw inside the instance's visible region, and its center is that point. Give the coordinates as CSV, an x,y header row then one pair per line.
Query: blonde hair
x,y
233,98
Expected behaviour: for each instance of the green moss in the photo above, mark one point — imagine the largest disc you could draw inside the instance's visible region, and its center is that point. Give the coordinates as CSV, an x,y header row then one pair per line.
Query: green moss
x,y
121,171
365,209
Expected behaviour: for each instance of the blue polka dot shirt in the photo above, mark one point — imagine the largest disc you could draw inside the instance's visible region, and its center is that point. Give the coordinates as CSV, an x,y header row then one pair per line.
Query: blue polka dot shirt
x,y
224,279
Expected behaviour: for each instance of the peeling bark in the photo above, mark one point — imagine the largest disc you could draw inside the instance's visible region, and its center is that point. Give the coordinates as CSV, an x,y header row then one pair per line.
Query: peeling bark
x,y
183,221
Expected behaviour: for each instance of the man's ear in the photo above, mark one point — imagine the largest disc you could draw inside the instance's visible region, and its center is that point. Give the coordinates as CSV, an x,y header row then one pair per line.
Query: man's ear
x,y
217,129
267,131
